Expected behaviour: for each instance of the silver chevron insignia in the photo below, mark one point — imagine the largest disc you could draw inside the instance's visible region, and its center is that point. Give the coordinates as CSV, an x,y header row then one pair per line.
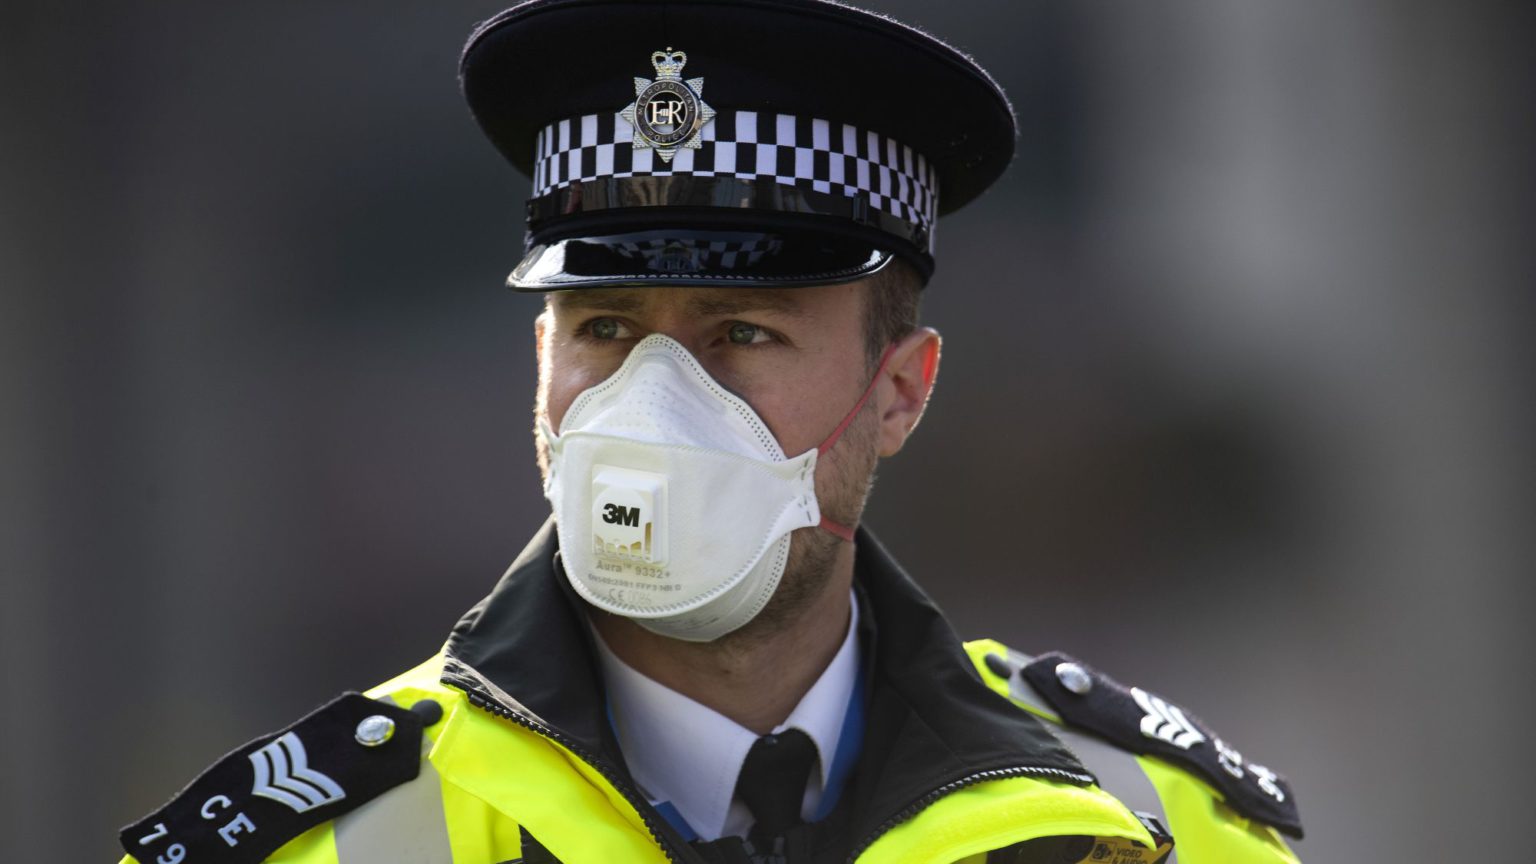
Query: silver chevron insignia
x,y
283,774
1165,722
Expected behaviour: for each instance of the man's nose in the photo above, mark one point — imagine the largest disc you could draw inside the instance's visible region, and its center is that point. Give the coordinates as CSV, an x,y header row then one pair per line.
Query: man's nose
x,y
696,340
686,330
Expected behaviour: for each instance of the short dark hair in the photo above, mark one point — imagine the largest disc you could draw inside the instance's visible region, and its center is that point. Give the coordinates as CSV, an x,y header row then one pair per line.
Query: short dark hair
x,y
891,300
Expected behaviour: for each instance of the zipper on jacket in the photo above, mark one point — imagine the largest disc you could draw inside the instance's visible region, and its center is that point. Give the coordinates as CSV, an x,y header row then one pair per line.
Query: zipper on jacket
x,y
955,786
632,795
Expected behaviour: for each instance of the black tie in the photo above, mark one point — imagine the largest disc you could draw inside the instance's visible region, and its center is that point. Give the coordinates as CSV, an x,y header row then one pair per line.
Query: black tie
x,y
772,781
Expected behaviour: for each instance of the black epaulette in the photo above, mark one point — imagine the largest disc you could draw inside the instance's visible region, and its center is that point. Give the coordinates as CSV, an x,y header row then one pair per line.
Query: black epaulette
x,y
258,797
1145,723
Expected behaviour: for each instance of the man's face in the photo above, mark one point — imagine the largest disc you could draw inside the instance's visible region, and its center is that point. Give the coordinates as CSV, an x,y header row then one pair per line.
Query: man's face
x,y
797,356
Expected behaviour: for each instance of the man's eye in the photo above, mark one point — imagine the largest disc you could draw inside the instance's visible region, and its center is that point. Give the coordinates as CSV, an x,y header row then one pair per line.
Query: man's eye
x,y
742,333
605,328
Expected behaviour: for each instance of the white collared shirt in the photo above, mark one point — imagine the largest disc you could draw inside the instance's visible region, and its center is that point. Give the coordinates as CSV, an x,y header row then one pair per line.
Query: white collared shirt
x,y
685,753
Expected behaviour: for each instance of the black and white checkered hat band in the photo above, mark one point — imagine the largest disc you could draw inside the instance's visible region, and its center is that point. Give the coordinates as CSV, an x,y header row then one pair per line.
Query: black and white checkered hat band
x,y
809,153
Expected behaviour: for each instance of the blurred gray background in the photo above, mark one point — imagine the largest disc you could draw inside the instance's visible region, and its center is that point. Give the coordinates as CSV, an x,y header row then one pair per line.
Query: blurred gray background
x,y
1236,362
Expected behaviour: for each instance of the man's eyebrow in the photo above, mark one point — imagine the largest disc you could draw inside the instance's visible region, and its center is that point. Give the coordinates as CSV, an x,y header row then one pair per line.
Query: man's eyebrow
x,y
735,301
707,303
606,301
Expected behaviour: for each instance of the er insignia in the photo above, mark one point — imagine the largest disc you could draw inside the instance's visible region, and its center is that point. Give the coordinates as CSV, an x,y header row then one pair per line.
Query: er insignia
x,y
669,112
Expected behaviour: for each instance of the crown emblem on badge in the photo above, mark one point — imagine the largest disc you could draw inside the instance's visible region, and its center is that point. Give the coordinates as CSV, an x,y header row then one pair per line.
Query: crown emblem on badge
x,y
668,112
669,63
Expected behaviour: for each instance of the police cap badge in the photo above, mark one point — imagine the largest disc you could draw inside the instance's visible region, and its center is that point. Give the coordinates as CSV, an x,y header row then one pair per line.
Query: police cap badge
x,y
668,113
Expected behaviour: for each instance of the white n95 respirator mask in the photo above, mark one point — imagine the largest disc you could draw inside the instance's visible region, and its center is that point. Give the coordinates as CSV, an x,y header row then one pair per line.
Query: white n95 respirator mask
x,y
673,502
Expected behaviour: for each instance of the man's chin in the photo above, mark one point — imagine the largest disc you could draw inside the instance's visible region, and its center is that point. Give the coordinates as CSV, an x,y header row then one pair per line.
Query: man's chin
x,y
807,575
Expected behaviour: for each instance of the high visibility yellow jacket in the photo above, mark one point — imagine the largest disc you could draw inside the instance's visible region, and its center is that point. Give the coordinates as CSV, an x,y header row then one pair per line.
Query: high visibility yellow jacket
x,y
958,766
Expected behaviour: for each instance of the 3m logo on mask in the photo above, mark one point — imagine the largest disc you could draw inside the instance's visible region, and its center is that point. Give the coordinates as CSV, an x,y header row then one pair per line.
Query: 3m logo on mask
x,y
627,522
613,514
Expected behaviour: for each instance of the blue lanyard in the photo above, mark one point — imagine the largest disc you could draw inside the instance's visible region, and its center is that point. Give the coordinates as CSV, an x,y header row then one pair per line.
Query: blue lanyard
x,y
849,742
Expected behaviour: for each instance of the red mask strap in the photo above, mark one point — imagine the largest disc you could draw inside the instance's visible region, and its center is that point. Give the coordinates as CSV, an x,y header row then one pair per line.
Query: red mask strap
x,y
838,529
857,406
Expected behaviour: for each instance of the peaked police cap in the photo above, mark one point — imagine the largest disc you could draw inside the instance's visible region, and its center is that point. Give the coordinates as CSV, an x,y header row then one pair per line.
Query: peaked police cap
x,y
730,142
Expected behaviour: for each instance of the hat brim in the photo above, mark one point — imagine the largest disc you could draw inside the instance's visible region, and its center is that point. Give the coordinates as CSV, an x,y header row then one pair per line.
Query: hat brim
x,y
696,257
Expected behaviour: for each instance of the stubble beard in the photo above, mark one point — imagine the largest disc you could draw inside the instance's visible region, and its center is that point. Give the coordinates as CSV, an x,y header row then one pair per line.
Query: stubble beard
x,y
849,470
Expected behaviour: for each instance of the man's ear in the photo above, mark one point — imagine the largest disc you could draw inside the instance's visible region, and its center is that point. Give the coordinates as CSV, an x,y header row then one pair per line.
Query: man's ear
x,y
541,329
908,382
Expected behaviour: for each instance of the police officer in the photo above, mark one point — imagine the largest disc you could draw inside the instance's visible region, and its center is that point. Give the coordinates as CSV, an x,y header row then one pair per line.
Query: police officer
x,y
702,657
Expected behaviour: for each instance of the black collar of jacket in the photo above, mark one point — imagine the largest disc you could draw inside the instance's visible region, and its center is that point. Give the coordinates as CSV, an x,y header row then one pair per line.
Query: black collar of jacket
x,y
930,721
